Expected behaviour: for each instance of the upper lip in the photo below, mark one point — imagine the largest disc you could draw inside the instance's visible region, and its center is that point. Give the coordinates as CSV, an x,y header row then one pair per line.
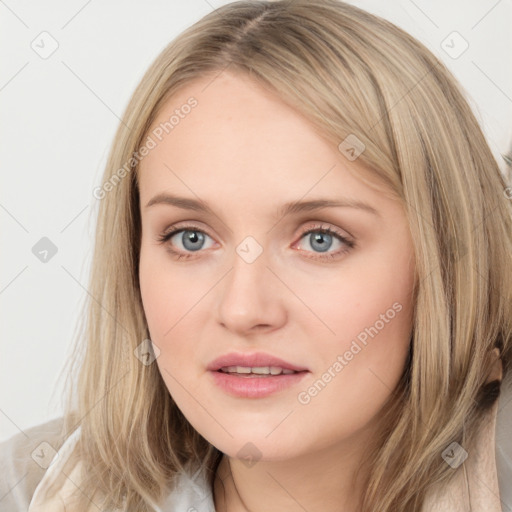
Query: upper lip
x,y
256,359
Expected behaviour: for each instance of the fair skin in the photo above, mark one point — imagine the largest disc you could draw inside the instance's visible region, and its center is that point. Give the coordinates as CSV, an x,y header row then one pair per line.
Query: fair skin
x,y
245,153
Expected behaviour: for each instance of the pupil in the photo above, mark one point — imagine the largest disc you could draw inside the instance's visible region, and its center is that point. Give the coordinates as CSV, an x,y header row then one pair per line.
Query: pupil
x,y
190,238
323,240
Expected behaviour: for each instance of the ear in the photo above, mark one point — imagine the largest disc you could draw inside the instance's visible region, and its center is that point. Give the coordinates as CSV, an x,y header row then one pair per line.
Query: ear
x,y
497,368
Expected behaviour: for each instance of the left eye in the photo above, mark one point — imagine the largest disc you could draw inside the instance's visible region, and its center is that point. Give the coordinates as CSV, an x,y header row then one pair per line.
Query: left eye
x,y
321,240
191,239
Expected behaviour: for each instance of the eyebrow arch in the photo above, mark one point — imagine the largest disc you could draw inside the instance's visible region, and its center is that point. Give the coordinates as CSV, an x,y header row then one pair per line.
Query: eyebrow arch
x,y
286,209
317,204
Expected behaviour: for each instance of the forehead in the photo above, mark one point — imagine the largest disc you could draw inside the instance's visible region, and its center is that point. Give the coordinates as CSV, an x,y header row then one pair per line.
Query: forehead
x,y
241,139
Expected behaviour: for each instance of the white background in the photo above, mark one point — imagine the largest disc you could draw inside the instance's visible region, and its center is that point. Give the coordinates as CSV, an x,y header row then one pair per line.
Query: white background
x,y
58,118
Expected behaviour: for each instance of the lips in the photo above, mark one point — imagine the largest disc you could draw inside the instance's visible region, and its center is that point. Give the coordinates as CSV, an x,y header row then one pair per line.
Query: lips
x,y
256,375
254,360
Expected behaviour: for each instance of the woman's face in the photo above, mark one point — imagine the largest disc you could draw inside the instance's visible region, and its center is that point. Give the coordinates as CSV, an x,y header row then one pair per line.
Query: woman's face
x,y
247,184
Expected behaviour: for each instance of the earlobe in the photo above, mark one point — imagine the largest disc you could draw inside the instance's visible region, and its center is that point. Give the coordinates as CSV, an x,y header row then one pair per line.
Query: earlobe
x,y
497,368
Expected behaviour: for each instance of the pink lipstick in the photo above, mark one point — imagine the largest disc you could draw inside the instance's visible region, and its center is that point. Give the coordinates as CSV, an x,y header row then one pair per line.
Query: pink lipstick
x,y
254,375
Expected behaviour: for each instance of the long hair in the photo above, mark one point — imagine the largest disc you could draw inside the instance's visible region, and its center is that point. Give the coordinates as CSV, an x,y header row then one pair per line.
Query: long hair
x,y
355,76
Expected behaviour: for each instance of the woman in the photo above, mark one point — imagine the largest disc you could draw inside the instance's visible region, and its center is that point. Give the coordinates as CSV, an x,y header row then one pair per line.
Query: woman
x,y
300,282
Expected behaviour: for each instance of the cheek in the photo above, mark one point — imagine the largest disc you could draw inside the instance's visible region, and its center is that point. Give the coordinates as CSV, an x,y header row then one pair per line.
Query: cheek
x,y
155,297
369,314
356,304
166,295
173,309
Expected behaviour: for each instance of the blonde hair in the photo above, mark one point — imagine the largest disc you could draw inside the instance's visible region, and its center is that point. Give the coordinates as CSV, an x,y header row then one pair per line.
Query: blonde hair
x,y
350,73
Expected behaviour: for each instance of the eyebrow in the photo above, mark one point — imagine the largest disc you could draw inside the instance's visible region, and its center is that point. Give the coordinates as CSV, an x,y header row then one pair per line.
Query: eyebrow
x,y
287,209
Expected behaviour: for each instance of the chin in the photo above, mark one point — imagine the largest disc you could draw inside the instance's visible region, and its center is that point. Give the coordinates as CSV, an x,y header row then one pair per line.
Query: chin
x,y
253,447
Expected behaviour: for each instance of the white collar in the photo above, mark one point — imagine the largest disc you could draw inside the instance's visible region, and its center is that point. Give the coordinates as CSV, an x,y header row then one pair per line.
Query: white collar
x,y
190,492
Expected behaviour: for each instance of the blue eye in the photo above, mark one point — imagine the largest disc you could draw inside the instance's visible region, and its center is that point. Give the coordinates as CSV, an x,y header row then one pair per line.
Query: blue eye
x,y
320,239
191,239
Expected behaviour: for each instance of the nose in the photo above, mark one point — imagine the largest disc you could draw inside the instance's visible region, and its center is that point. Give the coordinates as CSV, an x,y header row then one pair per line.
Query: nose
x,y
251,298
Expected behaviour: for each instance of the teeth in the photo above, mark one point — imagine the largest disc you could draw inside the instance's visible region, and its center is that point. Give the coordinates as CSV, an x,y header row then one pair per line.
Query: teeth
x,y
261,370
258,370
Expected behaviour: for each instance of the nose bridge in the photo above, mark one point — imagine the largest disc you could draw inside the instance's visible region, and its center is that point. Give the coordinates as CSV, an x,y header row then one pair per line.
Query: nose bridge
x,y
249,274
248,298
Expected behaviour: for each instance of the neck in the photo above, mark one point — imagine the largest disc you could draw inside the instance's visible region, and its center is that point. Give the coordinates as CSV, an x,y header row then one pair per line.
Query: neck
x,y
326,480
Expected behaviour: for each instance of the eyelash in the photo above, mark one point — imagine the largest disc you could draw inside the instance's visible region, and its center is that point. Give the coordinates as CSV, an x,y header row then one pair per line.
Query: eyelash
x,y
167,235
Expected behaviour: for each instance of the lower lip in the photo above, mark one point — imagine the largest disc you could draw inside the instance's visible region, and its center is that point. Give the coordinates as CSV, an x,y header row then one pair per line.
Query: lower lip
x,y
255,386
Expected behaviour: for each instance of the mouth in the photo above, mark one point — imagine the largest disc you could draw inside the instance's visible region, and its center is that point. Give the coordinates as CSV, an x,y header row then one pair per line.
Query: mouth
x,y
255,375
255,363
256,382
257,371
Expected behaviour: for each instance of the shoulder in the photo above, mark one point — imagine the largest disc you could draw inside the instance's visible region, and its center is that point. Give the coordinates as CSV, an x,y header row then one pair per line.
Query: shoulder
x,y
483,476
504,442
32,461
24,459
